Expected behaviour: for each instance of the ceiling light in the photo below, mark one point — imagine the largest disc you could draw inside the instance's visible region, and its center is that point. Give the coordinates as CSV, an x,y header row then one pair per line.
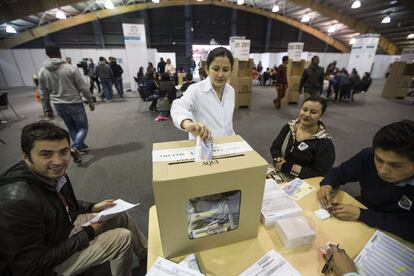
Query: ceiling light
x,y
155,1
109,5
410,36
331,29
386,20
275,8
60,14
200,0
305,18
10,29
240,2
356,5
352,41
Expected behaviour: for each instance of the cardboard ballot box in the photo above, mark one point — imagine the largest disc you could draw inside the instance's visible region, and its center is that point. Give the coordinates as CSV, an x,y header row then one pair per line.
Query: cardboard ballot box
x,y
207,204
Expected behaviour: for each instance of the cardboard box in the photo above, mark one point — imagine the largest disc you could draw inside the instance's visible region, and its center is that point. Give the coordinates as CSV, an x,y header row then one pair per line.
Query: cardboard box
x,y
175,185
243,91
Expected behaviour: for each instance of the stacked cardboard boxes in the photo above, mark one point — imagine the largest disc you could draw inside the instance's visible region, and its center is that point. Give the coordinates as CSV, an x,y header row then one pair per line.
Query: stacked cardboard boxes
x,y
294,73
399,80
241,81
207,204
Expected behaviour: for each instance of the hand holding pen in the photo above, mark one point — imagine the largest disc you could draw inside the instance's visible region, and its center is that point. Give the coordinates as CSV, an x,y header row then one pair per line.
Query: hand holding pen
x,y
339,261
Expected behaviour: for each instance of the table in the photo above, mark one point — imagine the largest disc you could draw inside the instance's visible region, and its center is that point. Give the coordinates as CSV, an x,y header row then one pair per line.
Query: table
x,y
235,258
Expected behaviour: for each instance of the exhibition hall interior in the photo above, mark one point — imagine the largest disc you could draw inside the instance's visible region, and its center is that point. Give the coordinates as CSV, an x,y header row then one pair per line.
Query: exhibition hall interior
x,y
206,137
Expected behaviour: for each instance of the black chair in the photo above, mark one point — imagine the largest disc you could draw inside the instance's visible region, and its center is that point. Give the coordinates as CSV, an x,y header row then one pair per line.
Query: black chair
x,y
5,104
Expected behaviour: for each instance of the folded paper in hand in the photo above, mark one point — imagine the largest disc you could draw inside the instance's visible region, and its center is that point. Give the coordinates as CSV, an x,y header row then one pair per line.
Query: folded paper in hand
x,y
108,213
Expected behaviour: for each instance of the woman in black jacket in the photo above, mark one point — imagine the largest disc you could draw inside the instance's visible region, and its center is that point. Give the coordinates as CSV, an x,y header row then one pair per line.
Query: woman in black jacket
x,y
303,147
166,95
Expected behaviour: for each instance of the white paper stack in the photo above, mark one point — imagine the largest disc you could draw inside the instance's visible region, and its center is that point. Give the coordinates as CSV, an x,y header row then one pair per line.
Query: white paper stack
x,y
164,267
277,205
271,264
295,232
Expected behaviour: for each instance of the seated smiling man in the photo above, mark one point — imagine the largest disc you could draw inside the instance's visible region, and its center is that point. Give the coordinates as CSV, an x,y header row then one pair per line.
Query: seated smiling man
x,y
386,175
41,217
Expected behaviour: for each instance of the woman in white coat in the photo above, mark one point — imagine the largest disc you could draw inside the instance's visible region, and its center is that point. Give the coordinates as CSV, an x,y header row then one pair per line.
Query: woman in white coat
x,y
206,108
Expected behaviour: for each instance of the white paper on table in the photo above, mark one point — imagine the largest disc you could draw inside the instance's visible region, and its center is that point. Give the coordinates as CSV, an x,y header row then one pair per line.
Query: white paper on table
x,y
164,267
271,264
190,262
297,188
271,185
277,205
108,213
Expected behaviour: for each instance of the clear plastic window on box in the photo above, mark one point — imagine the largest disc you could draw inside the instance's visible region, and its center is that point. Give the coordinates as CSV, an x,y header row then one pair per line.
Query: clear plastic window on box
x,y
213,214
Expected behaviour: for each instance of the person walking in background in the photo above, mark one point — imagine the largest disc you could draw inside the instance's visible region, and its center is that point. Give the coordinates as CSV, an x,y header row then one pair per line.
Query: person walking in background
x,y
281,82
62,84
312,79
161,66
92,77
104,73
117,72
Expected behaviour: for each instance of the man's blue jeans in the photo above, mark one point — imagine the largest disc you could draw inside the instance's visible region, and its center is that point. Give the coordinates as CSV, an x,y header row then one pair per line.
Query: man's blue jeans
x,y
74,116
107,88
118,86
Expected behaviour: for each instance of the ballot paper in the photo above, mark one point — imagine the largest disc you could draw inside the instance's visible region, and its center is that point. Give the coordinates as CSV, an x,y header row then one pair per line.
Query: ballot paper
x,y
108,213
322,214
164,267
383,255
297,188
191,262
271,264
271,185
203,149
277,205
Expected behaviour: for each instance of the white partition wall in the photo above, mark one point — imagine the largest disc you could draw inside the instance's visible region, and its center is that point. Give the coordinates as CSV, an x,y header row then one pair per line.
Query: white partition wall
x,y
10,69
25,64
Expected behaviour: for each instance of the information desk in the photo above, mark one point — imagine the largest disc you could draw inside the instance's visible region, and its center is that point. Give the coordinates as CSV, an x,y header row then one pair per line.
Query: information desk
x,y
234,258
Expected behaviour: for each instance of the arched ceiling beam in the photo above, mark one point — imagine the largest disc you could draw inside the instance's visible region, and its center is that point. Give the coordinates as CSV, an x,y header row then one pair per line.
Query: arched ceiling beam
x,y
59,25
352,23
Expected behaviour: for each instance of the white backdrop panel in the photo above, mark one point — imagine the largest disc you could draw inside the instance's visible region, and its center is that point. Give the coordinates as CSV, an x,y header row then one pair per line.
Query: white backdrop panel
x,y
9,68
25,64
38,57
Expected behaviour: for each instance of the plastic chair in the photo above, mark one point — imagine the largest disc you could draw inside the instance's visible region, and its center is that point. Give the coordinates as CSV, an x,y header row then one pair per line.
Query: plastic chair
x,y
5,104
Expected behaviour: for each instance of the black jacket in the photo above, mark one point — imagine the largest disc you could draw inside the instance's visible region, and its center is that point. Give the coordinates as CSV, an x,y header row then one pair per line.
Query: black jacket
x,y
382,198
36,223
116,70
313,156
312,78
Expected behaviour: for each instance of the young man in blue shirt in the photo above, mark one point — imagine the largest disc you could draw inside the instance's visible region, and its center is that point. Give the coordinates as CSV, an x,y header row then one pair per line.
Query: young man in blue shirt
x,y
385,173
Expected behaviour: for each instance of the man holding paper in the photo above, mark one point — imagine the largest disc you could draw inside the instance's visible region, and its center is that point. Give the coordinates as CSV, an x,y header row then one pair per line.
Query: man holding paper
x,y
42,219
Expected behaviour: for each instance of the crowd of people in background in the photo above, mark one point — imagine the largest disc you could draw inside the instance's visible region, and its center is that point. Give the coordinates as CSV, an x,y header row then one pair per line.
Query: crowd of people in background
x,y
159,86
334,84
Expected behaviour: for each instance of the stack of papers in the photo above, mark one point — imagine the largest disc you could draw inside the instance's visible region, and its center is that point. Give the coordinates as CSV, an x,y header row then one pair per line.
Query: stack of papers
x,y
277,205
164,267
271,264
108,213
295,232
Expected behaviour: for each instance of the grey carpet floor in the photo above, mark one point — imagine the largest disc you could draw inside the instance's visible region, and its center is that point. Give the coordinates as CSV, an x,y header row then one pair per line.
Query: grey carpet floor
x,y
120,137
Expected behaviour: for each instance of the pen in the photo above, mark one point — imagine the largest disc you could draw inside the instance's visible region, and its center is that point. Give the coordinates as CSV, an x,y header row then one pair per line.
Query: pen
x,y
327,264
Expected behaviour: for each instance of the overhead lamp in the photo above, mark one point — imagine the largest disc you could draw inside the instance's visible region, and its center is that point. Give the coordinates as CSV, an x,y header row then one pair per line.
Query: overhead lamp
x,y
109,5
60,14
275,8
386,20
352,41
331,29
356,4
10,29
305,18
240,2
155,1
410,36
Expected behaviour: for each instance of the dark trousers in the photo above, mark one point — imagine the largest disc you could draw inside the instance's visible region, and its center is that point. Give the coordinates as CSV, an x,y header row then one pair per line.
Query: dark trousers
x,y
92,84
281,92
